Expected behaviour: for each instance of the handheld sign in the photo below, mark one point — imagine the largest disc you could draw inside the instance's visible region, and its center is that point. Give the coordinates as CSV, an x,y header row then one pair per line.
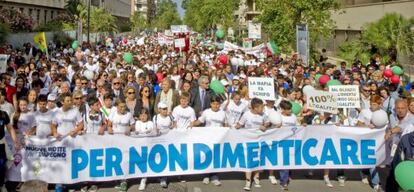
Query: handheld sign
x,y
262,88
322,101
180,43
347,96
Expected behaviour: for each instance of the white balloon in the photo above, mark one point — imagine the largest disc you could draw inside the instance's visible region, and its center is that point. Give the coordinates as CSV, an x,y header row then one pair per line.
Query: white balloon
x,y
234,61
275,117
379,118
241,62
307,89
87,52
88,74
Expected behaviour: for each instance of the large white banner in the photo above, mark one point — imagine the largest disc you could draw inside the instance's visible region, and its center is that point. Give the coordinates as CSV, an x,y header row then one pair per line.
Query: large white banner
x,y
200,150
253,50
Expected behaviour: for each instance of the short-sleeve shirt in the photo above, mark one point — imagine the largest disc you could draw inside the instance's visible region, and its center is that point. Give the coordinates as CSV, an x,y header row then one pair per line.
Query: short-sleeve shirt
x,y
143,127
43,122
66,121
163,122
251,120
183,116
121,122
213,118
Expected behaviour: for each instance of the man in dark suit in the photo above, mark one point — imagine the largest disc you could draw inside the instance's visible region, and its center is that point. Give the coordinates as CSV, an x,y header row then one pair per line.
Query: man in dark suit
x,y
117,88
200,96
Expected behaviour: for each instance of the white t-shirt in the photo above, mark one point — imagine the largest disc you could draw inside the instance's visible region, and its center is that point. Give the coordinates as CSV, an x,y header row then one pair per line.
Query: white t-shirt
x,y
93,122
289,120
43,122
7,107
26,121
93,68
143,128
66,121
163,122
365,116
234,112
121,122
250,120
212,118
183,116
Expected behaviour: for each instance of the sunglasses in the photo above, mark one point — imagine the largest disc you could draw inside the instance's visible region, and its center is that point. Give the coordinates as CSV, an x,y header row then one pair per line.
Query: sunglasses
x,y
117,83
84,83
163,108
130,93
78,98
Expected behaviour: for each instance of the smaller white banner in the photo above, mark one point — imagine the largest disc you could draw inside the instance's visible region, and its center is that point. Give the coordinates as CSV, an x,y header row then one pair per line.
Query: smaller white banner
x,y
347,96
322,101
3,63
179,29
262,88
255,30
179,42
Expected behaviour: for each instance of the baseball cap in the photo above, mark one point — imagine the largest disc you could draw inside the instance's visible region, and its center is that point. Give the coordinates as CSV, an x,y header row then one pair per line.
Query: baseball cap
x,y
162,105
51,97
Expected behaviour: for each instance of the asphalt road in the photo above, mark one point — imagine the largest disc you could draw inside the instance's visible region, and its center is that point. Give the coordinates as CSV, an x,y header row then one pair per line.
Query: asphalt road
x,y
234,182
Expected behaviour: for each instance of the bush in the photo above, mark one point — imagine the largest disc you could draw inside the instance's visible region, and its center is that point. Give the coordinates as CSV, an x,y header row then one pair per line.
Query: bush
x,y
62,39
17,21
4,32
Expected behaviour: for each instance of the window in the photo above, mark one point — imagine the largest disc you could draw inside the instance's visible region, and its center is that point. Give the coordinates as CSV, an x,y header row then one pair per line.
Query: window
x,y
38,16
45,16
52,14
30,12
21,10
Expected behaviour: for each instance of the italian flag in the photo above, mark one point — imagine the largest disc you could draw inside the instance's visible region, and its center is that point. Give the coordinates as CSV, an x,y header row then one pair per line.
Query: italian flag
x,y
103,109
272,47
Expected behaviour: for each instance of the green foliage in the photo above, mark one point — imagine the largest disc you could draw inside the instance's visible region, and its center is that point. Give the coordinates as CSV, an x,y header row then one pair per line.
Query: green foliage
x,y
4,32
167,15
60,23
62,38
72,7
391,32
102,21
138,22
391,36
208,14
280,17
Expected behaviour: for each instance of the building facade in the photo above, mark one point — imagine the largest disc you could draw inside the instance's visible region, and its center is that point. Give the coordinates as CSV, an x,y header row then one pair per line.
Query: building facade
x,y
41,11
246,13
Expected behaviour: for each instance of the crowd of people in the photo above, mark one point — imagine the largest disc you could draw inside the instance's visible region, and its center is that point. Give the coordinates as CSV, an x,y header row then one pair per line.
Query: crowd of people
x,y
93,90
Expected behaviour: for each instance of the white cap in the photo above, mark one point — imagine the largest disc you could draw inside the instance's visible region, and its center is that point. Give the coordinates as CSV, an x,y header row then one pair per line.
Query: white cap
x,y
236,78
224,82
51,97
162,105
243,76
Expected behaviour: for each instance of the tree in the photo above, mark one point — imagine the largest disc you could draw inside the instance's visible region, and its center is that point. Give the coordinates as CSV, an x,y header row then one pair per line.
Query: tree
x,y
71,8
280,17
138,22
102,21
4,32
167,15
15,20
389,37
208,14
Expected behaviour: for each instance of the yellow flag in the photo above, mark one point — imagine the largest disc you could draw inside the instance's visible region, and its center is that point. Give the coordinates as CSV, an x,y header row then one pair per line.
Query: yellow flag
x,y
40,39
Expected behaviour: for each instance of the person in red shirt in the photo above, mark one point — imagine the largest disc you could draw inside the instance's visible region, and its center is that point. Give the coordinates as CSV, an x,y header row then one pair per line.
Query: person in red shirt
x,y
5,83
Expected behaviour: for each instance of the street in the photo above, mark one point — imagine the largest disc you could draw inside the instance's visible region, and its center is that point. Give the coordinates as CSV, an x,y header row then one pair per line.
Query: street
x,y
233,182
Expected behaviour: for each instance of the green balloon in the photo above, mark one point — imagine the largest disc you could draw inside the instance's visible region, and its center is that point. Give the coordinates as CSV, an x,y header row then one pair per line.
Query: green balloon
x,y
333,82
296,108
317,77
404,175
220,34
75,44
128,58
396,70
217,87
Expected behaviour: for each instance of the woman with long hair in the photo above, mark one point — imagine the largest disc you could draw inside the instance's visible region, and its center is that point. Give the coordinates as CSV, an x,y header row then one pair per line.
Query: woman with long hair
x,y
145,101
21,90
131,100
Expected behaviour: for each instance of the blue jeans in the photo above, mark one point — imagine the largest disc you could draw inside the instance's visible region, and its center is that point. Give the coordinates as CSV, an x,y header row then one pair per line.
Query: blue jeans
x,y
284,177
374,176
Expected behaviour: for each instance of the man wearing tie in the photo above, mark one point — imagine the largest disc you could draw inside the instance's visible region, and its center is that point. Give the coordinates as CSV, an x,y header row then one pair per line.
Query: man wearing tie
x,y
200,96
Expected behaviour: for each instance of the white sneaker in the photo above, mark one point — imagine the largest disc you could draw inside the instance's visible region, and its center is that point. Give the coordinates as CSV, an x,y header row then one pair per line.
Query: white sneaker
x,y
143,184
257,182
377,188
365,181
215,180
247,186
327,181
341,181
163,183
273,180
206,180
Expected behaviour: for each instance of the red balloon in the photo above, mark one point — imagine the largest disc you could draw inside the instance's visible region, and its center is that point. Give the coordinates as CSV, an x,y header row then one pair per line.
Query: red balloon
x,y
395,79
388,73
324,79
223,59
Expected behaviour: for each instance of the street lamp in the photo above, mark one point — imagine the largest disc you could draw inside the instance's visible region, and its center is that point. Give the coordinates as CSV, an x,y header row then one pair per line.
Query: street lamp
x,y
89,18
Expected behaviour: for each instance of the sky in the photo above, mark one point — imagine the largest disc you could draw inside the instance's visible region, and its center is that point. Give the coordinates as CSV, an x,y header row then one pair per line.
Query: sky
x,y
181,11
